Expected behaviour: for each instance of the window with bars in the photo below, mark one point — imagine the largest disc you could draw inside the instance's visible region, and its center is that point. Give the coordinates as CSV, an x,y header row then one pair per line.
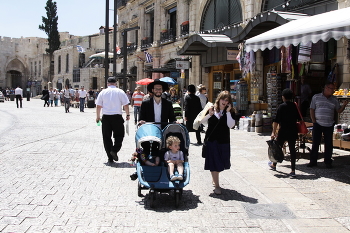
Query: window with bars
x,y
59,65
219,13
76,75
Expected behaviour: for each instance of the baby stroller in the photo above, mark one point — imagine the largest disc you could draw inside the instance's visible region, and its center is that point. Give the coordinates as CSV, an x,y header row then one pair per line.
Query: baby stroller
x,y
177,111
156,178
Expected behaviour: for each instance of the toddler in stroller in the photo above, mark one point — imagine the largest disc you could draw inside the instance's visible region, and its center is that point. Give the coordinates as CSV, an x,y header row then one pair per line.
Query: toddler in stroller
x,y
174,157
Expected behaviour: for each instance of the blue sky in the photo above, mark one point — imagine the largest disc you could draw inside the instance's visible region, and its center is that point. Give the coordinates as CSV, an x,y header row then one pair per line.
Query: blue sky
x,y
78,17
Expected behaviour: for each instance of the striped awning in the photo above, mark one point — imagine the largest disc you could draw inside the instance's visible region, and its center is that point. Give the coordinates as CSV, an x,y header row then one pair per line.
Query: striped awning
x,y
333,24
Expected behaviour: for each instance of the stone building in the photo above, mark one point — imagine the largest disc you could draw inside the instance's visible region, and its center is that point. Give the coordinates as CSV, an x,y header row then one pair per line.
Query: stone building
x,y
23,62
207,34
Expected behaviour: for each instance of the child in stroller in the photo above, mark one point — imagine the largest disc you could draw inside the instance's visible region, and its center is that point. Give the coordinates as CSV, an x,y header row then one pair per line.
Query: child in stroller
x,y
143,156
174,157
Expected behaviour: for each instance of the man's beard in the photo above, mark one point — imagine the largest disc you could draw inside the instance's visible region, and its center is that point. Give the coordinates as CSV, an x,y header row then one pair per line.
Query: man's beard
x,y
158,95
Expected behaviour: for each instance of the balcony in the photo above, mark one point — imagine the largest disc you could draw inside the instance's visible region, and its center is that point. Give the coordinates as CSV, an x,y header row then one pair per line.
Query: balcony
x,y
131,47
167,36
184,29
146,42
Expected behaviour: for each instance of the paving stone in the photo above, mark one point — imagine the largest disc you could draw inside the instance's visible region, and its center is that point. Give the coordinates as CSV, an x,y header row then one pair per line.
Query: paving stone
x,y
58,181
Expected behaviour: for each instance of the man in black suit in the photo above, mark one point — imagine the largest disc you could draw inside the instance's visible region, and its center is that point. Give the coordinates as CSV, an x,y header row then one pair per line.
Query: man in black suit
x,y
157,109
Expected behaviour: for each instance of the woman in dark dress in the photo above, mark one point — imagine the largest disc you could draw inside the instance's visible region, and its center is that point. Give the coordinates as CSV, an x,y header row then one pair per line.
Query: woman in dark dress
x,y
286,118
217,138
193,107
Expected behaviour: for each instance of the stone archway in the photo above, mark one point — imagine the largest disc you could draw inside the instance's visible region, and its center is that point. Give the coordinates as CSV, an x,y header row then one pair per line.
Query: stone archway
x,y
15,74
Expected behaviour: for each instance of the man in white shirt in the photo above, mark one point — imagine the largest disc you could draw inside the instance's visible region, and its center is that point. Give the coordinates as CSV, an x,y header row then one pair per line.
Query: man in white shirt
x,y
67,97
82,96
111,101
19,95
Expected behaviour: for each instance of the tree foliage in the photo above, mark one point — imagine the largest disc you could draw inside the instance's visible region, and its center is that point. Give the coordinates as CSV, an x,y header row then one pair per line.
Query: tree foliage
x,y
49,26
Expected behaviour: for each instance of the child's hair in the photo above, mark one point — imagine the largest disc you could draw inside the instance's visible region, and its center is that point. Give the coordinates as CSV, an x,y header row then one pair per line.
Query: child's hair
x,y
171,140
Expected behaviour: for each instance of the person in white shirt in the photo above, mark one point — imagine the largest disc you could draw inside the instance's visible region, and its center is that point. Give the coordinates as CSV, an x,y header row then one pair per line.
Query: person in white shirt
x,y
82,96
67,98
111,101
19,95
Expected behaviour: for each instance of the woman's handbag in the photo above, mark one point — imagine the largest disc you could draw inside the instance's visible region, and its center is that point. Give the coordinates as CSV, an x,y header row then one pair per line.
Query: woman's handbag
x,y
302,129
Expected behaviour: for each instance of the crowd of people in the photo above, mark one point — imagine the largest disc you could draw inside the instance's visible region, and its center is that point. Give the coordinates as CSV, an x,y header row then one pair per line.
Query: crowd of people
x,y
157,106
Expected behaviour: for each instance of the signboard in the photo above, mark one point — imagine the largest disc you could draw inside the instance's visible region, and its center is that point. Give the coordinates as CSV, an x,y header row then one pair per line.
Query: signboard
x,y
217,85
174,74
185,65
232,55
182,75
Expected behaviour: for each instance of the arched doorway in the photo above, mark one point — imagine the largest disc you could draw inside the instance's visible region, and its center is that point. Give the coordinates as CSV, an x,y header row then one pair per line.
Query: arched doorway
x,y
14,79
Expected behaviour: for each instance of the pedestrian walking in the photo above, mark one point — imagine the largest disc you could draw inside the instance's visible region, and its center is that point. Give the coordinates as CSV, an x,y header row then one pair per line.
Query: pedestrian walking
x,y
67,98
220,120
51,96
19,96
136,101
322,109
193,107
82,95
285,121
45,96
111,101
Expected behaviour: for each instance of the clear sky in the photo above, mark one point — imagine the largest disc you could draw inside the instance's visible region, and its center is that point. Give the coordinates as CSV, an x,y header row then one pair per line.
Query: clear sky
x,y
78,17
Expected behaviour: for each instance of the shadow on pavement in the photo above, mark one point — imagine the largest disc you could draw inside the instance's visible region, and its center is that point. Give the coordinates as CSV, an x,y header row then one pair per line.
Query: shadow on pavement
x,y
233,195
165,202
340,171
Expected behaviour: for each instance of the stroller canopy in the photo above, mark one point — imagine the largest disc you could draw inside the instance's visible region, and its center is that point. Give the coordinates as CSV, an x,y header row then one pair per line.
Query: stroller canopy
x,y
147,133
176,130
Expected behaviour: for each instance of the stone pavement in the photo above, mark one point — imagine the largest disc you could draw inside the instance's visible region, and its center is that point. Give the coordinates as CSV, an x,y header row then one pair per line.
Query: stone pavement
x,y
54,178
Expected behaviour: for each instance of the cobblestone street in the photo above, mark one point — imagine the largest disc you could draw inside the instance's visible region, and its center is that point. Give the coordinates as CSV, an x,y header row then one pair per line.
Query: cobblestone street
x,y
54,178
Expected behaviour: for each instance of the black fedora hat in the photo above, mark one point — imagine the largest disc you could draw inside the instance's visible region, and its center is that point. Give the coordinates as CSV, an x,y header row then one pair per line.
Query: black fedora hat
x,y
150,86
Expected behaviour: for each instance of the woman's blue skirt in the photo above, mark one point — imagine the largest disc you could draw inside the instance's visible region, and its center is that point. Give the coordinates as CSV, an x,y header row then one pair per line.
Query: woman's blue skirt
x,y
217,157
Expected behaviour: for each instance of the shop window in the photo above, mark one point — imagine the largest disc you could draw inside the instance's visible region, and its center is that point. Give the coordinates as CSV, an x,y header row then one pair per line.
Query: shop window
x,y
221,13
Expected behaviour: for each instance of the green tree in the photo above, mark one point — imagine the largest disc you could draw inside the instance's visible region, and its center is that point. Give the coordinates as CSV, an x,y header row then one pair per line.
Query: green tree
x,y
49,26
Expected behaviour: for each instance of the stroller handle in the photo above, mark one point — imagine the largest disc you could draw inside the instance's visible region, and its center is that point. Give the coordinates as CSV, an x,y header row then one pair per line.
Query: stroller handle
x,y
156,123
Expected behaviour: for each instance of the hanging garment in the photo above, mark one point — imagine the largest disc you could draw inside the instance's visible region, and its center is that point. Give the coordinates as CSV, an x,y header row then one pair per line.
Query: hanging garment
x,y
286,57
304,52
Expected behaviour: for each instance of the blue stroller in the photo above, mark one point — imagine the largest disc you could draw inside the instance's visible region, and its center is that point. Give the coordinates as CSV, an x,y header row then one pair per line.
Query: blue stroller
x,y
156,178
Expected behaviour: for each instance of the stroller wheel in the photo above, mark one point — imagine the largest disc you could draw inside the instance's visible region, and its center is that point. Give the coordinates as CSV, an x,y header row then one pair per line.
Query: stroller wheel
x,y
151,198
139,190
177,198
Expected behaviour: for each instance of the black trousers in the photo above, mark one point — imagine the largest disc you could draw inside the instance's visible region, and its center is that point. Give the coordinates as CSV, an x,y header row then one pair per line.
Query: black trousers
x,y
112,124
19,97
291,145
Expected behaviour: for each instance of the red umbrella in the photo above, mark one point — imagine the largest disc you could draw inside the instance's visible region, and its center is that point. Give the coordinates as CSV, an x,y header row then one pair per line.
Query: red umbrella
x,y
145,81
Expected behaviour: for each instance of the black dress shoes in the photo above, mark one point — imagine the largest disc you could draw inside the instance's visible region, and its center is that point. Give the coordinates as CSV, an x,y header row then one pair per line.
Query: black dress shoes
x,y
311,165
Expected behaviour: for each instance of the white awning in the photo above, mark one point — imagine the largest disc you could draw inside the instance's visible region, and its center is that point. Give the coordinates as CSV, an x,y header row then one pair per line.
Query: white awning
x,y
333,24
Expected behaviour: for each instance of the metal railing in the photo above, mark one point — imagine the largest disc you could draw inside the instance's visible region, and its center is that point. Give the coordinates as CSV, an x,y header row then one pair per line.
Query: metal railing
x,y
167,36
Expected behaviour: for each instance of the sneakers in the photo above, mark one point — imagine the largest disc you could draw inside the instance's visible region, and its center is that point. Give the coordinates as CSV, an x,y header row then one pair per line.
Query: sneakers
x,y
173,178
114,155
292,174
271,166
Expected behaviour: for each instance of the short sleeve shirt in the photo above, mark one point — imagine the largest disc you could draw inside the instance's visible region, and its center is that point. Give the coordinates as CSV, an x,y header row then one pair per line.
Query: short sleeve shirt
x,y
138,98
112,100
324,109
174,156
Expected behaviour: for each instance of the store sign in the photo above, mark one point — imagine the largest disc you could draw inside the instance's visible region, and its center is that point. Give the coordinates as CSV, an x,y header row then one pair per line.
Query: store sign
x,y
185,65
232,55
